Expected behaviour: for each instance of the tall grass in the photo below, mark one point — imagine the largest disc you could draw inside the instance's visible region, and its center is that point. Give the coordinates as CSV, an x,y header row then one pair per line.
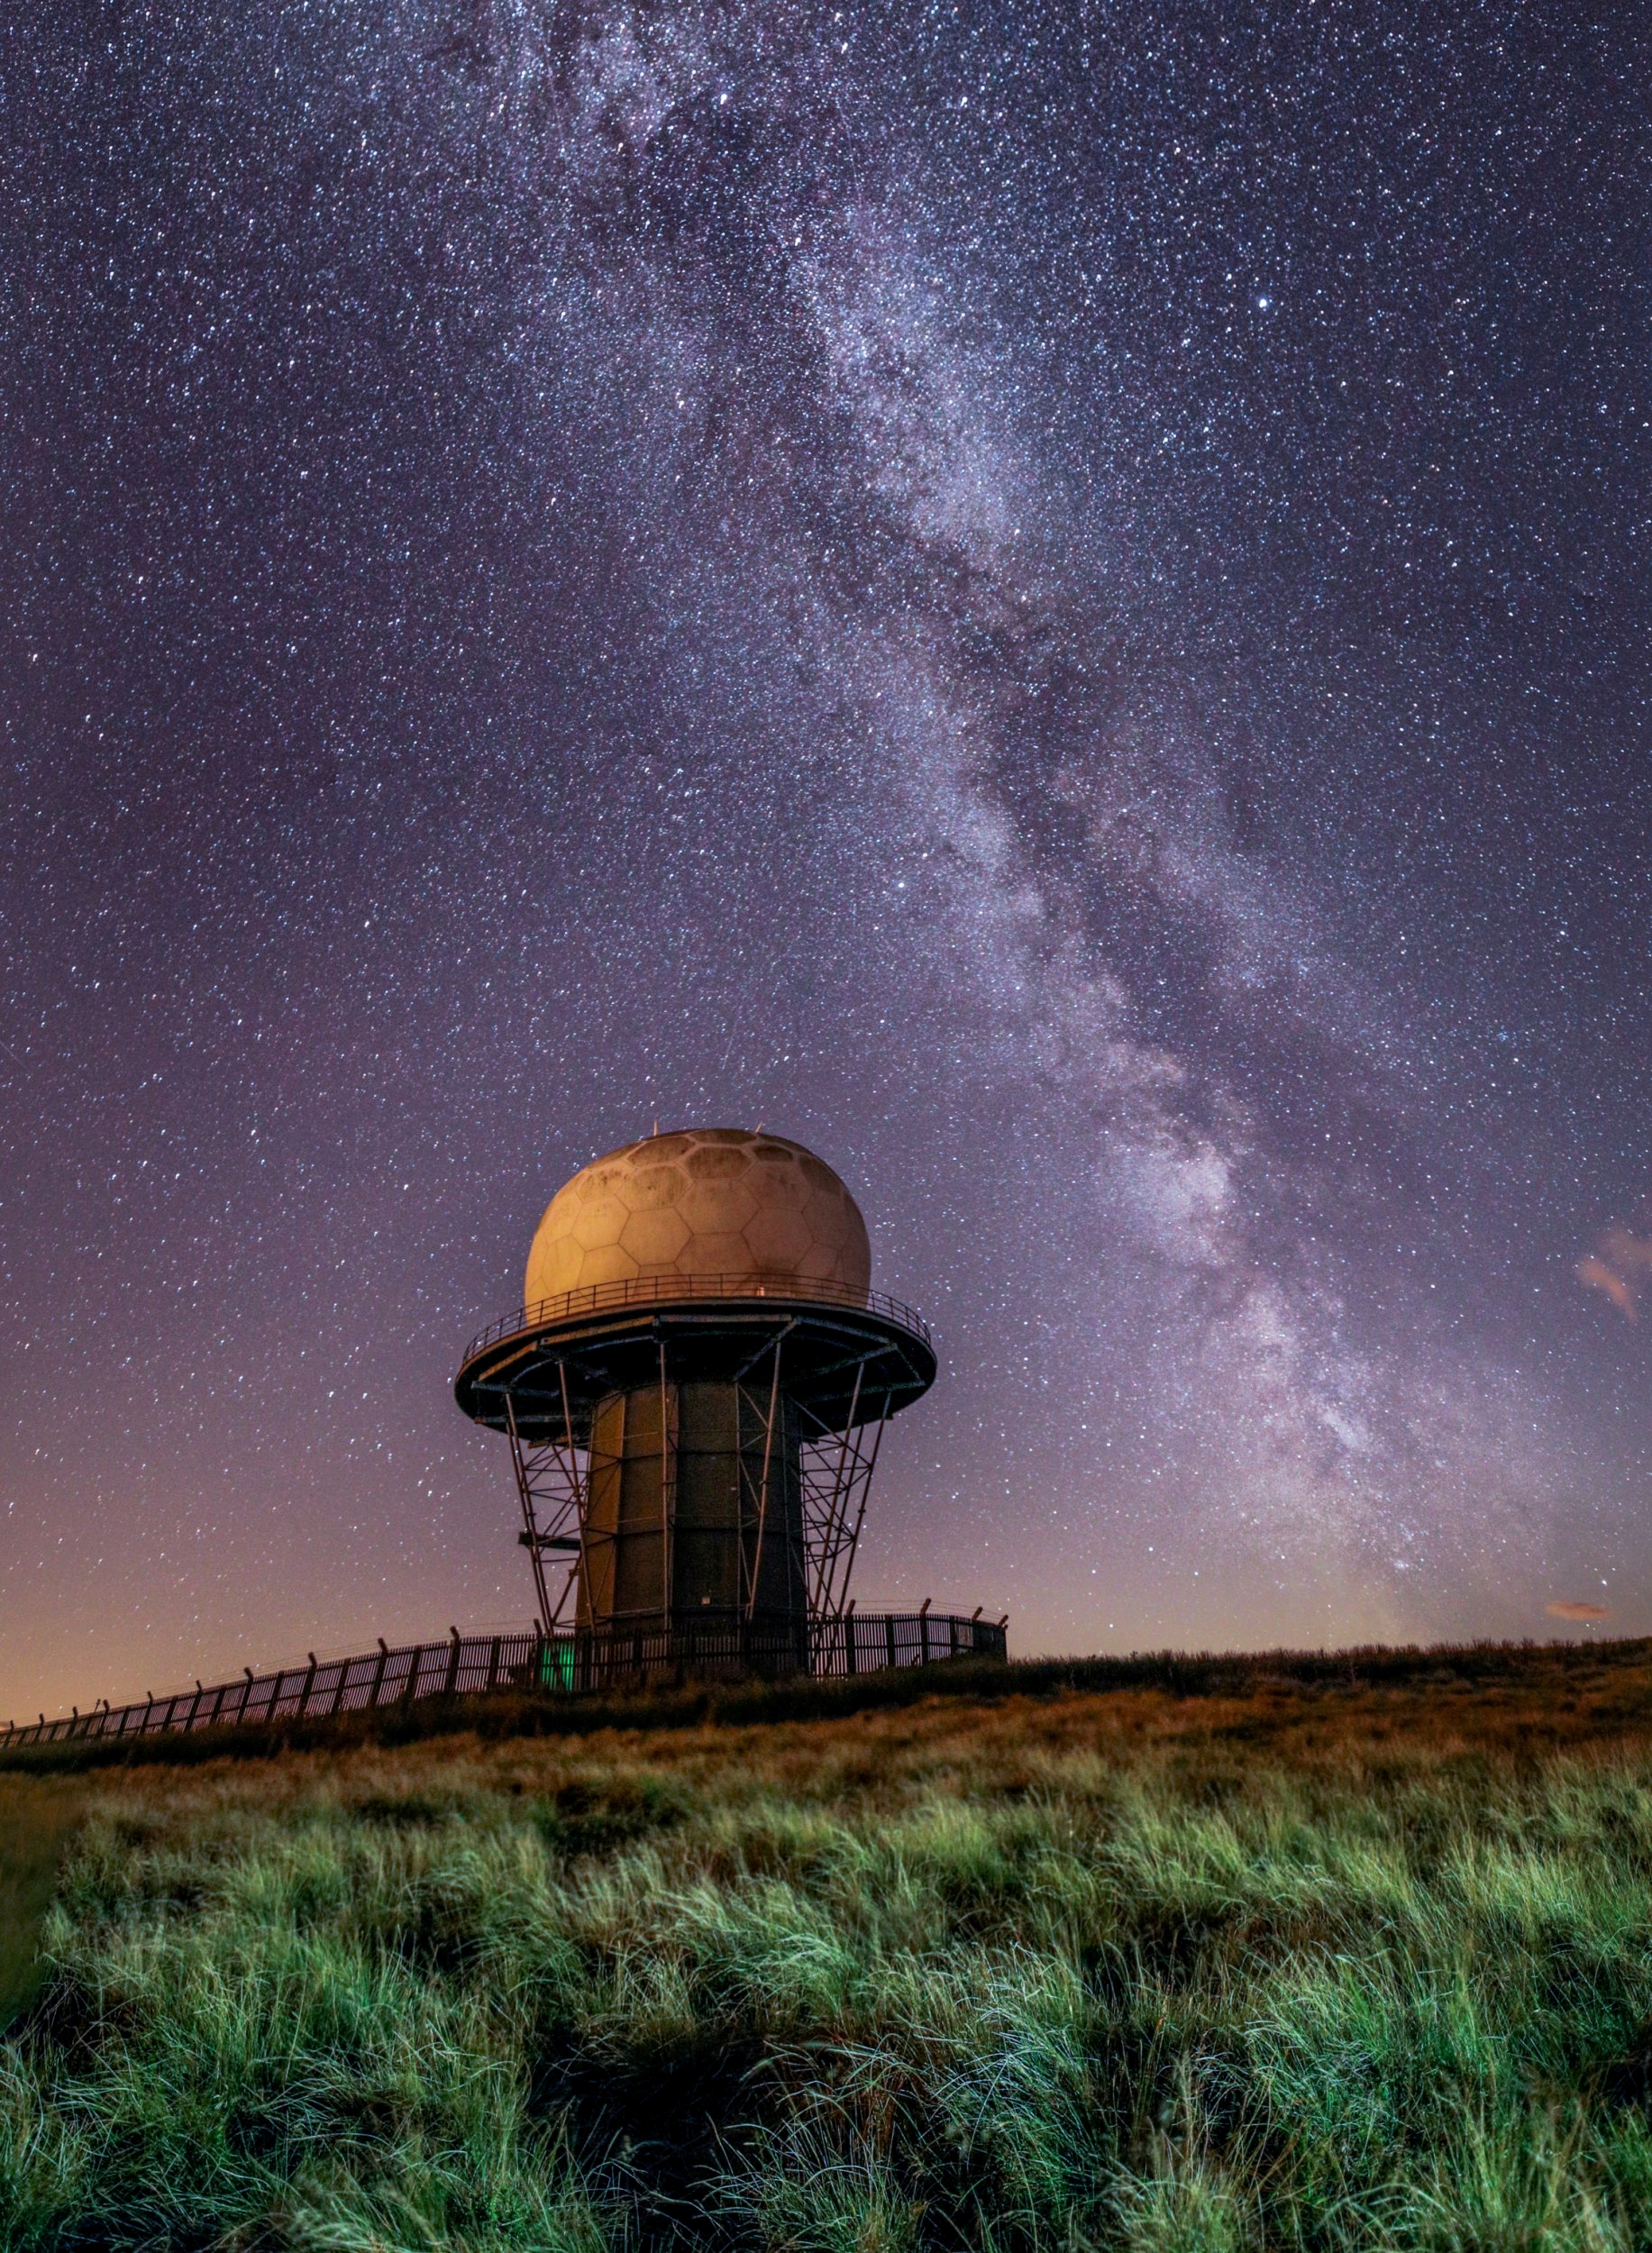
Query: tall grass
x,y
35,1819
1084,1974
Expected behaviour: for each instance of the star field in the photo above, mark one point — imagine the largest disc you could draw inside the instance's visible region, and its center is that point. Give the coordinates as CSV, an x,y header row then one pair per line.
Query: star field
x,y
1052,602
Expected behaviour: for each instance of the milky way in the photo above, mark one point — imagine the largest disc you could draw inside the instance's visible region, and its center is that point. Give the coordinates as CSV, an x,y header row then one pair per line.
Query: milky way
x,y
1053,602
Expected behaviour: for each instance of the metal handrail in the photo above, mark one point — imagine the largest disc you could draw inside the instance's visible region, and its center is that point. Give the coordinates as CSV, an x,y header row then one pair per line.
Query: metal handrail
x,y
643,1291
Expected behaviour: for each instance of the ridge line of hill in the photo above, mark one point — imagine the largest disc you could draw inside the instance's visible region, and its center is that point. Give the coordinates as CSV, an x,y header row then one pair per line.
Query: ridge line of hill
x,y
741,1704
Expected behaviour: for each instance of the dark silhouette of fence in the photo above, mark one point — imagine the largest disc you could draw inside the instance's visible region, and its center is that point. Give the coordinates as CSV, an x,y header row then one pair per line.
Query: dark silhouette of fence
x,y
476,1665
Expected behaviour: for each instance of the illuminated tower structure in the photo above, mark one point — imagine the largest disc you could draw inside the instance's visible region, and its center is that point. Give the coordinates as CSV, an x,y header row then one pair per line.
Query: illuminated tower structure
x,y
694,1393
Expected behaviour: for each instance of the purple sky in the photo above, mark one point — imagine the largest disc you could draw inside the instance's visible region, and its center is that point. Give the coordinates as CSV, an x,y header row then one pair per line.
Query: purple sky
x,y
1054,602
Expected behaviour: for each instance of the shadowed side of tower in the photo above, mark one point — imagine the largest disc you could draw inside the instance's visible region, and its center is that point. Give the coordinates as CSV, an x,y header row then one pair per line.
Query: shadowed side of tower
x,y
708,1526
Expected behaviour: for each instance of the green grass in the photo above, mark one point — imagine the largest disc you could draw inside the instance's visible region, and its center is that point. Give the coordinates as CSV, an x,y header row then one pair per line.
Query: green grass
x,y
35,1820
1314,1966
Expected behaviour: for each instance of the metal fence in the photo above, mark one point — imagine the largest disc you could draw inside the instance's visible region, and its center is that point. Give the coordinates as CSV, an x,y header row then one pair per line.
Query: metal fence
x,y
476,1665
650,1290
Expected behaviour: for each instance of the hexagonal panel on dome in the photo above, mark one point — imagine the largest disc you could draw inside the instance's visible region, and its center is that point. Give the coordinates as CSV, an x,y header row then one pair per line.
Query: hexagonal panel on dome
x,y
554,1271
718,1207
778,1239
824,1263
711,1253
654,1239
598,1222
654,1188
828,1219
717,1161
607,1264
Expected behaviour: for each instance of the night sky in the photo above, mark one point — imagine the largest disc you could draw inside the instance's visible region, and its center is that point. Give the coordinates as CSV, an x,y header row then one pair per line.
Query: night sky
x,y
1052,601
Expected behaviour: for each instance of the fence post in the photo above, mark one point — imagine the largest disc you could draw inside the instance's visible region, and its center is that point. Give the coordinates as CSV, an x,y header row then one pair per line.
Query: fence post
x,y
338,1694
384,1654
309,1684
451,1684
889,1635
493,1666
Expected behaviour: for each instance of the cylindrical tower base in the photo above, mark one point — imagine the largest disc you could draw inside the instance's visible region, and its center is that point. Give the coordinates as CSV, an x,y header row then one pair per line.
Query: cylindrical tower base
x,y
694,1510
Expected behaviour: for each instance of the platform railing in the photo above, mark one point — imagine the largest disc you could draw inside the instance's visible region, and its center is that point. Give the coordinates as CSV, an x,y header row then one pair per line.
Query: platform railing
x,y
648,1290
478,1665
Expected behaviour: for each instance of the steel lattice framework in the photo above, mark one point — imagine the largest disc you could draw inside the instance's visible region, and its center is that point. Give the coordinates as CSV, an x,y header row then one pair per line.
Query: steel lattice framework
x,y
837,1363
552,1475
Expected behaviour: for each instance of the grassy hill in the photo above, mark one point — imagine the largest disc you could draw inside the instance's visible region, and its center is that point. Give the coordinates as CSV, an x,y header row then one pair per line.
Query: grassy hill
x,y
1214,1953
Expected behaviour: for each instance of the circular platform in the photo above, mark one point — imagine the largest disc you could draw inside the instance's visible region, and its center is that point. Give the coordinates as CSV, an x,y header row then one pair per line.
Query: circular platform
x,y
607,1338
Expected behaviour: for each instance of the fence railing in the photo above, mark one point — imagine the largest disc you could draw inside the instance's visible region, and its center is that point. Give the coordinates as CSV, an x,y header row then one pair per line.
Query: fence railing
x,y
478,1665
648,1290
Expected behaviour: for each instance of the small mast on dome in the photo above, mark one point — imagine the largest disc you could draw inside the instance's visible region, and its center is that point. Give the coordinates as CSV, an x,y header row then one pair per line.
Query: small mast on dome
x,y
694,1393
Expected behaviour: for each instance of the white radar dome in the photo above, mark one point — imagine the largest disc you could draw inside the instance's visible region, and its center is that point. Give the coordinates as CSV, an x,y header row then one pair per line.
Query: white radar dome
x,y
707,1203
